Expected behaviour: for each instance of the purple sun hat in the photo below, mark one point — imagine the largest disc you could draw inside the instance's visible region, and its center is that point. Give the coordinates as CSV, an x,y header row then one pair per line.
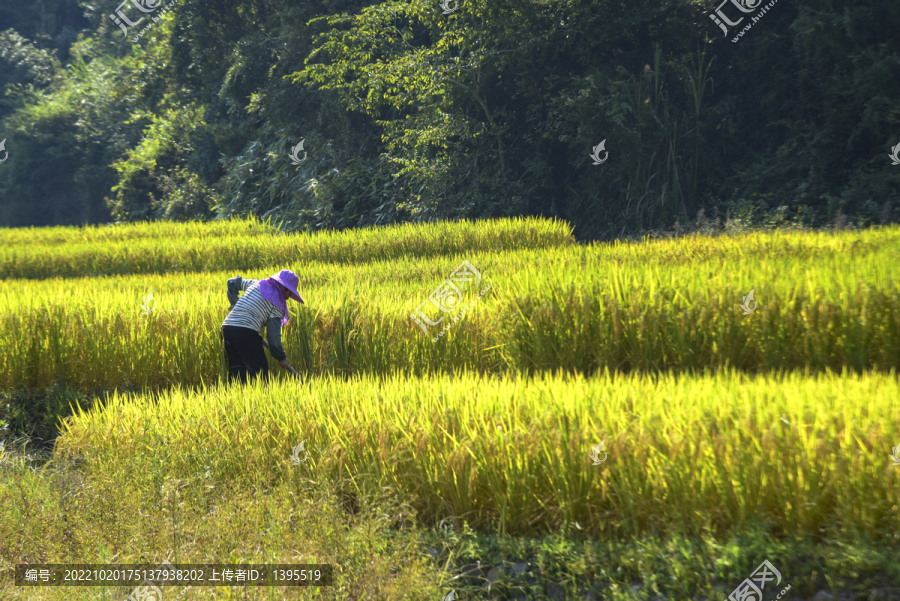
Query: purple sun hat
x,y
272,289
289,280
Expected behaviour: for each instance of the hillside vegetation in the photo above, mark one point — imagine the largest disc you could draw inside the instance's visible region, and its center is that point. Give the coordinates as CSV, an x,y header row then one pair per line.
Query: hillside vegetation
x,y
401,111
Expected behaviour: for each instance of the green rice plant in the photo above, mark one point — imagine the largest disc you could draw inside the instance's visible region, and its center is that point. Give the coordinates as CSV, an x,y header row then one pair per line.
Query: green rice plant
x,y
155,248
825,301
712,453
52,514
132,232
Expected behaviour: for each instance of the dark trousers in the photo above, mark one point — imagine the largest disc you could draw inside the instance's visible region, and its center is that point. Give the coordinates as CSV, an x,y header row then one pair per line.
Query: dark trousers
x,y
245,353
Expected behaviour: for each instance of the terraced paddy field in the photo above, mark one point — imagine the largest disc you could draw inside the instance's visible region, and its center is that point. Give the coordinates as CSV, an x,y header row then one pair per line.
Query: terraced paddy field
x,y
605,421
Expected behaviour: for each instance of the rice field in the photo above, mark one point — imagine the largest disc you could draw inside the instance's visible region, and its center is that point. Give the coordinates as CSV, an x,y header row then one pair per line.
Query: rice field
x,y
823,301
166,247
719,415
686,455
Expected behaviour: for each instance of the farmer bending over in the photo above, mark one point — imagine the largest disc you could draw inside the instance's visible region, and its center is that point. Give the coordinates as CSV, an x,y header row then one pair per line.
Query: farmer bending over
x,y
263,303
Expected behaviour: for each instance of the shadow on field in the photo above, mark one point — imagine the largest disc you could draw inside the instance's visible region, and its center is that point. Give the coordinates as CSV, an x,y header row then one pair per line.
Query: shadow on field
x,y
36,415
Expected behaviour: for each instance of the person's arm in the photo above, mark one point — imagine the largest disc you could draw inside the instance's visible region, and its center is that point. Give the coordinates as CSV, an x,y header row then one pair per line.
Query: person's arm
x,y
273,336
236,285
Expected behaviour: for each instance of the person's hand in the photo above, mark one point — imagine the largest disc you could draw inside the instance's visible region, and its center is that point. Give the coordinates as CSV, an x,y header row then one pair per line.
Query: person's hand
x,y
284,364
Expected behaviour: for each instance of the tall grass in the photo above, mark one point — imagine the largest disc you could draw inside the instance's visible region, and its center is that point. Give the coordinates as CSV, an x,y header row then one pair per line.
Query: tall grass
x,y
131,232
711,453
824,301
159,247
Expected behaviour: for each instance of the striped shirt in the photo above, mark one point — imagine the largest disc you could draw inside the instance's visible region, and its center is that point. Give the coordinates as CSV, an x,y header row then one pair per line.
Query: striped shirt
x,y
253,311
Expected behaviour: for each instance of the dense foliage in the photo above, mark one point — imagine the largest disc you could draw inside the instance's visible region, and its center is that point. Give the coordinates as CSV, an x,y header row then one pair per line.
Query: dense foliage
x,y
407,113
